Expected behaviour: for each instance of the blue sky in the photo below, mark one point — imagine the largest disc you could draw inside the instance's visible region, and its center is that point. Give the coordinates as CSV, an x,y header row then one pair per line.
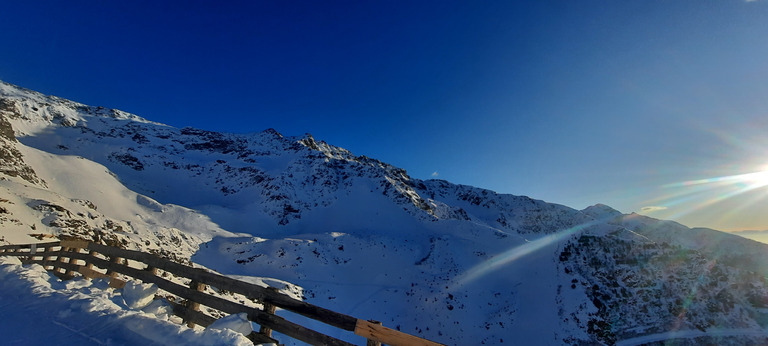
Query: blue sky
x,y
573,102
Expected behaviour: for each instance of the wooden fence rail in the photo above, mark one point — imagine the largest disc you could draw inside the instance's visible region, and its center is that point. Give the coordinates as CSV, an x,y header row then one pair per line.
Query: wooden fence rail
x,y
91,260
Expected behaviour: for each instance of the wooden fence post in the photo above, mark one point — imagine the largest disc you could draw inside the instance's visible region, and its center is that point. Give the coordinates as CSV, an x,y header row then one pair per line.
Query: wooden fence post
x,y
34,251
114,282
88,264
69,258
69,272
270,309
61,259
48,258
192,305
115,260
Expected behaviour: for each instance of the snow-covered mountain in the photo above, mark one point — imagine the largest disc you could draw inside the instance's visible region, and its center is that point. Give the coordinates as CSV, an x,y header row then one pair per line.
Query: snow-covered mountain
x,y
453,263
761,236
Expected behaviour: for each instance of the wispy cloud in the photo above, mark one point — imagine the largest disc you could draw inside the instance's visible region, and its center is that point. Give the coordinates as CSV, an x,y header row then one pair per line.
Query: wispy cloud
x,y
435,174
652,208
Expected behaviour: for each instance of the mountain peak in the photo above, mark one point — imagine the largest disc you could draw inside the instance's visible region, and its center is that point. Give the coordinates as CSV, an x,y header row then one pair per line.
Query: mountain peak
x,y
317,216
273,132
601,211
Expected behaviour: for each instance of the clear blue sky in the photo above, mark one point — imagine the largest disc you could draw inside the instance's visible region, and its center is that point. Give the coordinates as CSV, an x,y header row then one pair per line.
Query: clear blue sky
x,y
573,102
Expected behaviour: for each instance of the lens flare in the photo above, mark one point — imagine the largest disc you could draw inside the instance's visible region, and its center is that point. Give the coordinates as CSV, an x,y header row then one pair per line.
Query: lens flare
x,y
750,180
498,261
707,192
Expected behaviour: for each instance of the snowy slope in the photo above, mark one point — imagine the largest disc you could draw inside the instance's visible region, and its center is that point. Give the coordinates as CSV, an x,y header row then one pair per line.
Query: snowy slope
x,y
453,263
39,309
761,236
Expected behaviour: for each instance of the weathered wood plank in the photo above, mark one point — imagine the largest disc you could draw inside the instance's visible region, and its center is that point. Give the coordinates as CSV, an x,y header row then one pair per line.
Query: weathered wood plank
x,y
269,297
204,320
75,244
27,254
389,336
277,323
68,267
258,338
190,315
27,246
222,282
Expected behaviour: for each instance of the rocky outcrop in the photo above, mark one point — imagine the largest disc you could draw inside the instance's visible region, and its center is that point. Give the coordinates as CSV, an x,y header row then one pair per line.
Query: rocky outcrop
x,y
11,160
319,213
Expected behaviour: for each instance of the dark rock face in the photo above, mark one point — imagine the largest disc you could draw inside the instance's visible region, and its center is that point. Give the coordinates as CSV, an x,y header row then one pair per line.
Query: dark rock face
x,y
11,160
637,287
6,130
128,160
617,280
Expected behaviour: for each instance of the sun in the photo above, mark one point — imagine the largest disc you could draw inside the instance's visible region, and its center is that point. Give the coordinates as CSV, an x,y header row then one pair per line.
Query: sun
x,y
756,180
699,194
745,182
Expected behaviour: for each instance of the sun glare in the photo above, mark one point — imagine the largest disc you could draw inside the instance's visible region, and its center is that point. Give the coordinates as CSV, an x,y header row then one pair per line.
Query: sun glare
x,y
749,181
760,178
702,193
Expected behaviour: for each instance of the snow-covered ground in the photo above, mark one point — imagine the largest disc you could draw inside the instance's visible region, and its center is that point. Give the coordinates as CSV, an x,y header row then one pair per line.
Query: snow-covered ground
x,y
452,263
39,309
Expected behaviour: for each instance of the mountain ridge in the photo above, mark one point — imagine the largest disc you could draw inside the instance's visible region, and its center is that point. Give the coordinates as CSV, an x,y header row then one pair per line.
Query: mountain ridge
x,y
453,263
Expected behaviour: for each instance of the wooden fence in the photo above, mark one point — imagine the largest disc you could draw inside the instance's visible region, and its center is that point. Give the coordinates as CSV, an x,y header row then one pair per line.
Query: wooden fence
x,y
91,260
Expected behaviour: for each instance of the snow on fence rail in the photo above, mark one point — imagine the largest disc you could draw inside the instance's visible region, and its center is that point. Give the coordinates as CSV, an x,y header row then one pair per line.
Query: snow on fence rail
x,y
91,260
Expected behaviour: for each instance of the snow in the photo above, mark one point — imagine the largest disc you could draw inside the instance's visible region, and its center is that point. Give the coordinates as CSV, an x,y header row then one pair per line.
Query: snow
x,y
77,177
41,309
452,263
237,322
137,295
